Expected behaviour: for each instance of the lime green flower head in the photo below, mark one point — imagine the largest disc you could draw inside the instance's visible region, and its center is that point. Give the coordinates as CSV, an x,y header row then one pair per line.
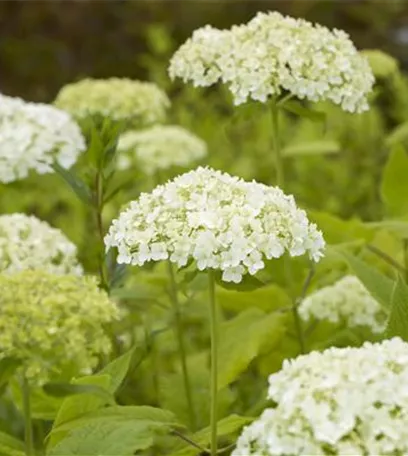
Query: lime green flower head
x,y
53,324
136,102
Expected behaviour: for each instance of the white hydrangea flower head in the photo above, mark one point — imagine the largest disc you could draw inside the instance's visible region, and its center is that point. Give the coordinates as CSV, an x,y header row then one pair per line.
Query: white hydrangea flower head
x,y
121,99
33,136
159,148
343,401
274,54
29,243
218,221
346,301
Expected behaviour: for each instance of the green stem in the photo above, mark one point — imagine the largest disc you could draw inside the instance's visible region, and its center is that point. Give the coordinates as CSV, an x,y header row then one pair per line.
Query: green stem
x,y
280,180
28,425
181,344
214,363
406,259
280,177
99,223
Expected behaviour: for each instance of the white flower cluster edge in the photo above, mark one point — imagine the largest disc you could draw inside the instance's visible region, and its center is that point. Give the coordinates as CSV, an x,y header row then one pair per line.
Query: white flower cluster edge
x,y
346,301
218,221
29,243
33,136
159,148
343,401
273,54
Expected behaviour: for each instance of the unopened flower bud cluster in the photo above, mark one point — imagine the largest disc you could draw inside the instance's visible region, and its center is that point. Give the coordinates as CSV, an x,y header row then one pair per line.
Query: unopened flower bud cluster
x,y
53,324
343,401
347,301
33,136
29,243
219,221
136,102
274,54
159,148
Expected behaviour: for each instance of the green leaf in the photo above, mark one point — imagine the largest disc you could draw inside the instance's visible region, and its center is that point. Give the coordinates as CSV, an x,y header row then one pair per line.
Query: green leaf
x,y
337,231
262,331
323,147
10,446
379,285
397,324
117,370
248,283
382,64
268,299
297,108
8,367
113,431
394,188
227,427
397,227
105,439
398,135
76,406
77,185
69,389
43,407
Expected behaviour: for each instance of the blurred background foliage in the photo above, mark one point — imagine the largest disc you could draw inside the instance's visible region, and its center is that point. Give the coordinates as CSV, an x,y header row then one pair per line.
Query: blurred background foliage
x,y
334,166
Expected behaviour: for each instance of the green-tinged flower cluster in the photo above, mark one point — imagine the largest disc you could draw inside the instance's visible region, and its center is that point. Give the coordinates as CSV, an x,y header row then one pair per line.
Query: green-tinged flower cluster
x,y
273,54
29,243
159,148
53,324
137,103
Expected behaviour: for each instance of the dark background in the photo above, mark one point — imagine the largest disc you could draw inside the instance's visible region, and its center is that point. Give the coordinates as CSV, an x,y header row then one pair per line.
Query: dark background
x,y
45,44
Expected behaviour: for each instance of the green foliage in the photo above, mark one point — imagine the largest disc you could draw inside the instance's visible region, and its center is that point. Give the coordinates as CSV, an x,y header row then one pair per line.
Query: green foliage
x,y
349,173
398,320
395,185
244,338
113,430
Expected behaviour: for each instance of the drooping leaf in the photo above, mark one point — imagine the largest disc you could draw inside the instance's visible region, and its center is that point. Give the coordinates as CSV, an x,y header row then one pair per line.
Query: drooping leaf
x,y
382,64
227,427
237,352
297,108
78,186
322,147
379,285
397,324
394,188
8,367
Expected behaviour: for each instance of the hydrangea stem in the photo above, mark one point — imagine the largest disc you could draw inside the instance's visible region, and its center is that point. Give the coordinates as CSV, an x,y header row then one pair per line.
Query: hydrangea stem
x,y
280,180
99,222
28,425
280,176
181,344
214,363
